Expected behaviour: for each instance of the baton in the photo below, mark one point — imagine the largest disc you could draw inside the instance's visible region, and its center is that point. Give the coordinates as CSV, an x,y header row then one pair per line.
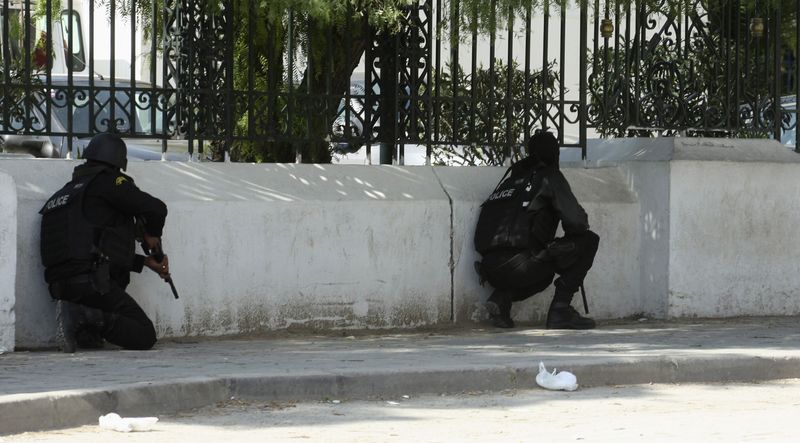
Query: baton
x,y
583,295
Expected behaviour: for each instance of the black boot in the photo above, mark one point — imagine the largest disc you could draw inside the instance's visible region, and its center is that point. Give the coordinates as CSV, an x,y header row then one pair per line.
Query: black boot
x,y
499,309
91,329
67,320
564,316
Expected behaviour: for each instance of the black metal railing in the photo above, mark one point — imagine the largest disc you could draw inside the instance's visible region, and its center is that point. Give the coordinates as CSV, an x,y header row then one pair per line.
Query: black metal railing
x,y
237,80
716,71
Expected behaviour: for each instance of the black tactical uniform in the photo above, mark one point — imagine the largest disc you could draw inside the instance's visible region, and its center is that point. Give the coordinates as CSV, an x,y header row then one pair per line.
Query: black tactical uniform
x,y
88,247
516,237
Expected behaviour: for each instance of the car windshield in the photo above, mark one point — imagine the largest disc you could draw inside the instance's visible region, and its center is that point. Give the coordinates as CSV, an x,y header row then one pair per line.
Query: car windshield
x,y
92,114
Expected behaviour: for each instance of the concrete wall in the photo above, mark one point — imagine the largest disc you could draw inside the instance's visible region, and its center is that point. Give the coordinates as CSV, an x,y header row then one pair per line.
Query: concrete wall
x,y
645,165
734,242
718,224
260,247
688,227
8,260
266,247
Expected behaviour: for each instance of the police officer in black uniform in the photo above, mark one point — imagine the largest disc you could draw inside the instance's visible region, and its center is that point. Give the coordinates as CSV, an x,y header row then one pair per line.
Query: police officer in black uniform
x,y
516,237
88,236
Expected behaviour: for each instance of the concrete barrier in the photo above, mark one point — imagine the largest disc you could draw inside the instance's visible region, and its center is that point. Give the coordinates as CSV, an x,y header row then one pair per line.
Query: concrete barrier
x,y
264,247
733,224
688,227
34,182
8,260
719,223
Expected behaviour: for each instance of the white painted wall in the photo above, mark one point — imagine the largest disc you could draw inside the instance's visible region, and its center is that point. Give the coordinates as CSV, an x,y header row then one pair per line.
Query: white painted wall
x,y
734,244
8,260
688,227
718,224
645,165
34,181
259,247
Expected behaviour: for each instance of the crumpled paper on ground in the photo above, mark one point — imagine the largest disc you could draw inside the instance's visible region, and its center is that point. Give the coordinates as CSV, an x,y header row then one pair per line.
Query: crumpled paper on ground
x,y
114,422
563,381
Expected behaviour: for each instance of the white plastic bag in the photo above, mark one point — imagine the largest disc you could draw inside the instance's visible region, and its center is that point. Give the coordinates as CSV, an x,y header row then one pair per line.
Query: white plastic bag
x,y
114,422
563,381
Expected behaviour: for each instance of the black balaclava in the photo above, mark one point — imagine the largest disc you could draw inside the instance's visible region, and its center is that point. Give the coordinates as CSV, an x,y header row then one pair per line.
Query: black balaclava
x,y
543,147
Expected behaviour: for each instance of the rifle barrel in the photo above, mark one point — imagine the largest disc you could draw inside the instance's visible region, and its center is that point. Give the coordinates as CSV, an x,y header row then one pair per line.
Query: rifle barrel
x,y
172,286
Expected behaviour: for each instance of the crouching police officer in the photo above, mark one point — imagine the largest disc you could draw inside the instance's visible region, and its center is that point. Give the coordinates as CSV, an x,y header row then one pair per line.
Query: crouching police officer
x,y
88,236
516,237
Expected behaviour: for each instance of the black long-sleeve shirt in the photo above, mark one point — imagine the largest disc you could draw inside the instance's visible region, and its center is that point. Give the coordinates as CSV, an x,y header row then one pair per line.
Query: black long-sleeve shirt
x,y
113,196
554,202
111,199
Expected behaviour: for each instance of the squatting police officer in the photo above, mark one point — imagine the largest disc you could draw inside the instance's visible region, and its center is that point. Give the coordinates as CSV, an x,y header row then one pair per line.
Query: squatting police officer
x,y
88,234
516,237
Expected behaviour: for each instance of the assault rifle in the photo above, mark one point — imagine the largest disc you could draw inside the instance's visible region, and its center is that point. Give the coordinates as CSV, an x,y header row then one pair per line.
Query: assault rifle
x,y
157,253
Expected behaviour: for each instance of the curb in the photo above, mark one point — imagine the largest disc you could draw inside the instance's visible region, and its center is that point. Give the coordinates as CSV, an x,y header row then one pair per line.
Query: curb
x,y
52,410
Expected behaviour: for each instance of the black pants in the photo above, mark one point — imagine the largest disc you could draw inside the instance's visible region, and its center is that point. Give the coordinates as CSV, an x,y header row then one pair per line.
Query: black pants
x,y
517,276
126,324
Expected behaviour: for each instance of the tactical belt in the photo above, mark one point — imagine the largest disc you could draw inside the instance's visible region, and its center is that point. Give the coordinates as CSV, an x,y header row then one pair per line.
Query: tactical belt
x,y
58,288
78,279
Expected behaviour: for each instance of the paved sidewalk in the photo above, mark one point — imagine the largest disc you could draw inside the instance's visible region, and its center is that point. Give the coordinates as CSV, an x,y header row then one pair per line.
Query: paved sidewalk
x,y
44,390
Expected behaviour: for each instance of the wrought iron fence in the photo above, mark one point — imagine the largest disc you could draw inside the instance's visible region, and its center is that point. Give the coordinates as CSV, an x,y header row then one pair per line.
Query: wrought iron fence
x,y
230,80
713,68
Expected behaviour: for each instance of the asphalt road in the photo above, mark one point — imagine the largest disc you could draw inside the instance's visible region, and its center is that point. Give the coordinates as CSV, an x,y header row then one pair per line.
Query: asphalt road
x,y
764,412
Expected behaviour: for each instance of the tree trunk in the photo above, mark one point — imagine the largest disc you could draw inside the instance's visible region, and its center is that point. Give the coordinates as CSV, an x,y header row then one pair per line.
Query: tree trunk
x,y
335,53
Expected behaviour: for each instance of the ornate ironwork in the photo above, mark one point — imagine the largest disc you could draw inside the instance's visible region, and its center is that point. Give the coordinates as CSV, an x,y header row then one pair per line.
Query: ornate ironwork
x,y
269,88
693,71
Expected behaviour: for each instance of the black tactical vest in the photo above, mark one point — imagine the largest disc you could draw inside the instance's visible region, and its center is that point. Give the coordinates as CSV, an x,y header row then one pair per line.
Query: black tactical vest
x,y
67,236
505,221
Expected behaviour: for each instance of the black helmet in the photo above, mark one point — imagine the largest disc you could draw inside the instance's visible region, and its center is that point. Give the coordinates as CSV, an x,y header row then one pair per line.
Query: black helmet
x,y
107,148
543,146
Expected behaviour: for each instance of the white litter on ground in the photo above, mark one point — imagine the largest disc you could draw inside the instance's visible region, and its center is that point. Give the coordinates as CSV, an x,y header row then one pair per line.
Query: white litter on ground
x,y
114,422
562,381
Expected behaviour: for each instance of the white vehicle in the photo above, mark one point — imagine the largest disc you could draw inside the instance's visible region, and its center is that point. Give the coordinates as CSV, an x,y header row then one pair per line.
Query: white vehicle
x,y
146,120
116,42
28,116
66,34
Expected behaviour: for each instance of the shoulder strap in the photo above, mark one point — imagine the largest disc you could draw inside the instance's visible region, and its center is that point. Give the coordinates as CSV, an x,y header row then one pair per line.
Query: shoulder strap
x,y
503,178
